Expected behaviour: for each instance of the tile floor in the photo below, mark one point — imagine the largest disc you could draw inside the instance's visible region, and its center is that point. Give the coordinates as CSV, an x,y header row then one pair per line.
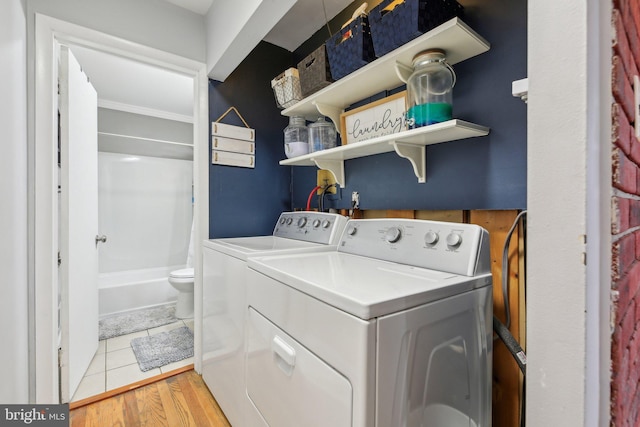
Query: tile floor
x,y
115,365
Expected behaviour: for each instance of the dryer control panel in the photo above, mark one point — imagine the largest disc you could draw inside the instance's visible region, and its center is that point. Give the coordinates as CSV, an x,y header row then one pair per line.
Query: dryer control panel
x,y
315,227
444,246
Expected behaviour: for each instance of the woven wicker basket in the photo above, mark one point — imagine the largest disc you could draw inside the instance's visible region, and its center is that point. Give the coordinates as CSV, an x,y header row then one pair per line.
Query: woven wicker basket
x,y
314,70
350,48
286,88
409,19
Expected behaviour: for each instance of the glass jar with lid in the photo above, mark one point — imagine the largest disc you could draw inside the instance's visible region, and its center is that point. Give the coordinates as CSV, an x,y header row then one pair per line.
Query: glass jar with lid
x,y
296,137
322,135
429,89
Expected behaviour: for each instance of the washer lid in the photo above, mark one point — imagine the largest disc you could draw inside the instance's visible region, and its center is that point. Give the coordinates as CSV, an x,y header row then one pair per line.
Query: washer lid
x,y
243,247
185,273
362,286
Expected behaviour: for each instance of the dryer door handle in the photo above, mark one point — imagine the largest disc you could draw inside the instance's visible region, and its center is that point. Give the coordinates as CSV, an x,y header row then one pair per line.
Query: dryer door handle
x,y
285,354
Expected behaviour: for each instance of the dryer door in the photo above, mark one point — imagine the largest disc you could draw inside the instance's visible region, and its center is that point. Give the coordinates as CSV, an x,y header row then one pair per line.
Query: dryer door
x,y
288,384
434,364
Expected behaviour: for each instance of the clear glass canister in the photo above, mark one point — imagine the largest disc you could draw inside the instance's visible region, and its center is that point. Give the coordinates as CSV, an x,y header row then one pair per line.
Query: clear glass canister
x,y
296,137
322,135
429,88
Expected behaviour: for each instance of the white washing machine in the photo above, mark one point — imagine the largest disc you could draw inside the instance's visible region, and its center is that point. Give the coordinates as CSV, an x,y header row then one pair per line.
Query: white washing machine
x,y
394,328
224,298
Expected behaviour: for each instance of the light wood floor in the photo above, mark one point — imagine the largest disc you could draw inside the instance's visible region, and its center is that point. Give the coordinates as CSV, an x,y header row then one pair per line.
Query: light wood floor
x,y
180,400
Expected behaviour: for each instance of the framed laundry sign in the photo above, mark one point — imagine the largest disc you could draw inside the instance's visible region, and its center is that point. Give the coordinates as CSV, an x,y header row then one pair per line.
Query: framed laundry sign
x,y
379,118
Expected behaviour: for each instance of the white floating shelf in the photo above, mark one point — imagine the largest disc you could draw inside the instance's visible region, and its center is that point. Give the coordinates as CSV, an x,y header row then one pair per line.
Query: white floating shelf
x,y
409,144
457,39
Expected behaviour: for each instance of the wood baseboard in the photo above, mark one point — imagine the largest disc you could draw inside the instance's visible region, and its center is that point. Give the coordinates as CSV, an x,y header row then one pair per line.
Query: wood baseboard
x,y
129,387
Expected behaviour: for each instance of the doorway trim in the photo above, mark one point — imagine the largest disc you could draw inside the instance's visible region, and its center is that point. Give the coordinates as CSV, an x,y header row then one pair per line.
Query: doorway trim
x,y
49,34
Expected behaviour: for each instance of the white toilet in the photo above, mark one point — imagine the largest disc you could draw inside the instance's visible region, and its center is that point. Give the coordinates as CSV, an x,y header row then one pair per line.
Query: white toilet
x,y
182,281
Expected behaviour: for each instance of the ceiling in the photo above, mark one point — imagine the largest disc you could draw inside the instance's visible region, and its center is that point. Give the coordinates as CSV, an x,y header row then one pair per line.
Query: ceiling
x,y
198,6
301,22
162,93
133,86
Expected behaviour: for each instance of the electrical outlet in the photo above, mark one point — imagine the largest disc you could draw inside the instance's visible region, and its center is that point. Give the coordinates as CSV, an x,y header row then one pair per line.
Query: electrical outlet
x,y
326,178
355,200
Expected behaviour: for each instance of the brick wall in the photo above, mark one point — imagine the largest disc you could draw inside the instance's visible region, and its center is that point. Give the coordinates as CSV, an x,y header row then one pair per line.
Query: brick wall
x,y
625,228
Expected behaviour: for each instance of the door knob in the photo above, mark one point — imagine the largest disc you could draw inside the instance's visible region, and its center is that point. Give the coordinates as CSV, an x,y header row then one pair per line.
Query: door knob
x,y
99,239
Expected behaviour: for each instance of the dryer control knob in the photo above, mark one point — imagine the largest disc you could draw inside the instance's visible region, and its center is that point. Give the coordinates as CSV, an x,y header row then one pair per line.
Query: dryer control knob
x,y
326,223
316,223
289,221
283,220
302,222
352,230
393,235
431,238
454,240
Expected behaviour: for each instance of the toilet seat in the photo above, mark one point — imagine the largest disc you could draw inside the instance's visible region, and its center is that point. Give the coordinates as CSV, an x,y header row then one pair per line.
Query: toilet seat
x,y
182,274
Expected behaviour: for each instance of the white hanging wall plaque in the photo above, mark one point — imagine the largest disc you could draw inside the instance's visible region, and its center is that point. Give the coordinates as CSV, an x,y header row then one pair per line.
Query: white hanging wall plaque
x,y
232,159
234,132
232,145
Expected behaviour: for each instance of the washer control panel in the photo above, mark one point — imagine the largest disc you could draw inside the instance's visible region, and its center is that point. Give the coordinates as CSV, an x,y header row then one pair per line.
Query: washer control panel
x,y
444,246
315,227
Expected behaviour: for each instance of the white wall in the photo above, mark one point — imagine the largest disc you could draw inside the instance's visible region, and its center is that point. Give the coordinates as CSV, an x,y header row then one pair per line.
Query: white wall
x,y
153,23
233,32
13,212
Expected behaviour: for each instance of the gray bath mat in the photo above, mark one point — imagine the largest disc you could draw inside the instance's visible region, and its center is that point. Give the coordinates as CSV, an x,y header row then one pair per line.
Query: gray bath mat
x,y
163,348
127,323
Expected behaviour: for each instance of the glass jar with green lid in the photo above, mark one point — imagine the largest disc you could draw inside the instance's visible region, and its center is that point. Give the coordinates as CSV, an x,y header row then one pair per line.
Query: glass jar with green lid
x,y
429,89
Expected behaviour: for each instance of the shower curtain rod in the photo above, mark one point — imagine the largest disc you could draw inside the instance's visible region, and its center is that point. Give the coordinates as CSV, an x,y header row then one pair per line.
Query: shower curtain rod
x,y
145,139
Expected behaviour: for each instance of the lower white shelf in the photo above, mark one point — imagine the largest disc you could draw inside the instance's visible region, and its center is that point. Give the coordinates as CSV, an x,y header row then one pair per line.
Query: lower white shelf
x,y
409,144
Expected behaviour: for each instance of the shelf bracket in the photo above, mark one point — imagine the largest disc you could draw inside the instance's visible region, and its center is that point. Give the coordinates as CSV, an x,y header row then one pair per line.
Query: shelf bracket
x,y
330,111
416,154
336,167
403,71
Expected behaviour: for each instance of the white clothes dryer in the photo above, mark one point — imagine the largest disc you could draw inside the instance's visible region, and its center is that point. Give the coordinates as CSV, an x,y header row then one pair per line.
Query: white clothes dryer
x,y
224,298
391,329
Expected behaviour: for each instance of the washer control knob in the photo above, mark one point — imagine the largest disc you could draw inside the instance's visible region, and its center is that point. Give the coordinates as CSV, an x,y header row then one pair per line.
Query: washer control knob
x,y
454,240
393,235
316,223
282,220
326,223
302,222
352,230
289,221
431,238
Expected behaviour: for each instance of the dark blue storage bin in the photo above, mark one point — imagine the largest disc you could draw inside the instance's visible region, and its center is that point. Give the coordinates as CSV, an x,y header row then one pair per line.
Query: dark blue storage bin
x,y
408,20
350,48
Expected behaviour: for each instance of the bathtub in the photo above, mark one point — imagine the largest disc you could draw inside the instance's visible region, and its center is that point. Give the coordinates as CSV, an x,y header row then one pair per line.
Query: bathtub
x,y
135,289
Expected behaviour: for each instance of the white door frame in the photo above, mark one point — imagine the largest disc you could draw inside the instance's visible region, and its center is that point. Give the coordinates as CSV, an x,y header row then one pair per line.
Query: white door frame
x,y
49,33
568,200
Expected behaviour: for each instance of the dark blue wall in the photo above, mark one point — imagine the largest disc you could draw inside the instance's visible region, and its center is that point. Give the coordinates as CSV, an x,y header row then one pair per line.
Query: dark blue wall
x,y
243,201
477,173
